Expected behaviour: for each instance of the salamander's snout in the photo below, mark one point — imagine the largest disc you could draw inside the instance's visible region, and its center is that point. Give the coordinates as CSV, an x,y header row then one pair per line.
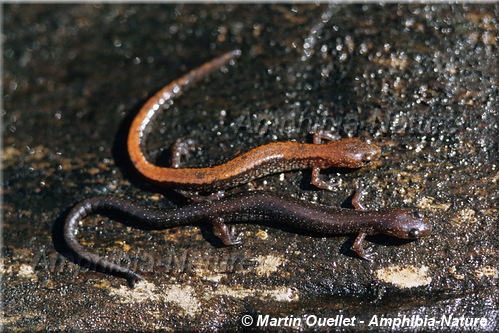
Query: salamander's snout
x,y
355,153
371,153
405,224
365,153
413,225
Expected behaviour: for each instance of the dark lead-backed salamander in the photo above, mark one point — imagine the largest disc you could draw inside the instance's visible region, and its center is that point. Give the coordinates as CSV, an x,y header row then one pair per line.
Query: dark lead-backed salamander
x,y
258,162
249,207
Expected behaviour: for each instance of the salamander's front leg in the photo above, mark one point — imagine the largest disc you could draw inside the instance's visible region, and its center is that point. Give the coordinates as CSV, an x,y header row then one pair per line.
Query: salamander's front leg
x,y
317,180
132,278
357,245
321,183
320,135
181,148
196,197
227,234
357,198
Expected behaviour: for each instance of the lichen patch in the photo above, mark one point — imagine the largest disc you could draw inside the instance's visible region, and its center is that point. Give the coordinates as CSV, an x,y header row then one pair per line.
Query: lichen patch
x,y
267,265
404,277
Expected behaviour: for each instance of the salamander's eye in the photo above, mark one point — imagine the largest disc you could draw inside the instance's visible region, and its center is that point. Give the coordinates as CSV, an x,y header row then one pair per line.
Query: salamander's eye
x,y
417,215
366,158
413,233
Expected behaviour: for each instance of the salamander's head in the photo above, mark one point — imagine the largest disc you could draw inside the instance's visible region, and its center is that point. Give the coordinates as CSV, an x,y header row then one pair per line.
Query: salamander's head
x,y
353,153
405,224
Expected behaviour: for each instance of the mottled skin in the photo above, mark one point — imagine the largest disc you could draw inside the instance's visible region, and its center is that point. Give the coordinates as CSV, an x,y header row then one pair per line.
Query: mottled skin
x,y
248,207
258,162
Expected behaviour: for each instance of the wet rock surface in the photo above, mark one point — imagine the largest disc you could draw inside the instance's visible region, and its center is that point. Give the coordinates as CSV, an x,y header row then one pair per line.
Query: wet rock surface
x,y
419,80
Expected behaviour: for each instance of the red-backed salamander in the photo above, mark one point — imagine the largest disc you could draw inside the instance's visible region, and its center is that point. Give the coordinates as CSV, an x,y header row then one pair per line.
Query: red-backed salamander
x,y
247,207
258,162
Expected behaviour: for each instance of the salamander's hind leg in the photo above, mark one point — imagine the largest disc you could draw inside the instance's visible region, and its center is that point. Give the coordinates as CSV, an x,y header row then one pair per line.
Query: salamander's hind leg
x,y
227,234
317,180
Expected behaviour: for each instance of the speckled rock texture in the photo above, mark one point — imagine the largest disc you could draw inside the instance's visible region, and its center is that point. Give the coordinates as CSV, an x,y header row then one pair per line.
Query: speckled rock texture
x,y
419,80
